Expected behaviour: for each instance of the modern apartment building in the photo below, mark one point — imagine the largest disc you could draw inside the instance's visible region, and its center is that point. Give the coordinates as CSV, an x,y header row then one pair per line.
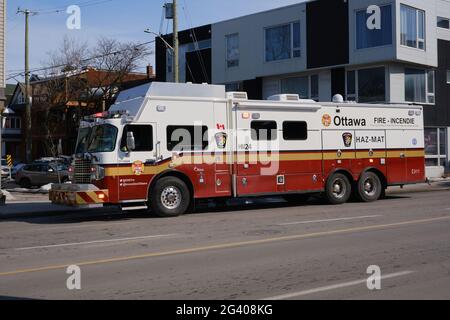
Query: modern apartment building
x,y
375,51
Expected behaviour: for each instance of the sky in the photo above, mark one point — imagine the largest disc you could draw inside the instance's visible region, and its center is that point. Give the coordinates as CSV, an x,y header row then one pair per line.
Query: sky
x,y
124,20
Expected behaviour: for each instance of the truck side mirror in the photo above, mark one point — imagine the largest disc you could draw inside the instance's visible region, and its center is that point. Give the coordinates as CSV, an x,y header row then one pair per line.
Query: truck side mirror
x,y
131,143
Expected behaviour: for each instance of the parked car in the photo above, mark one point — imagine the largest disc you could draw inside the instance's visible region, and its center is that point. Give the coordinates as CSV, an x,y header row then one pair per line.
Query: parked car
x,y
5,169
16,169
61,159
39,174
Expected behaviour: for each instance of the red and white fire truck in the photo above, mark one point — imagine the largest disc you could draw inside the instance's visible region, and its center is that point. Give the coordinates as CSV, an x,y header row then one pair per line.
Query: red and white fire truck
x,y
167,144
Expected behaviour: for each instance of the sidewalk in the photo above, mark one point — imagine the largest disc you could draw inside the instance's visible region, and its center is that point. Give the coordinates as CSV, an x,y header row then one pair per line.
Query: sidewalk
x,y
24,205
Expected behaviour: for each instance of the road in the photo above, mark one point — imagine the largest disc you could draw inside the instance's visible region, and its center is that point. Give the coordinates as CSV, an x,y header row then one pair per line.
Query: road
x,y
272,250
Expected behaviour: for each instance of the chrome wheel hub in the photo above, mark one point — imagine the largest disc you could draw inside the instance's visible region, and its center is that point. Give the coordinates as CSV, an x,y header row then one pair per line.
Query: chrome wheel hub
x,y
369,187
339,188
171,198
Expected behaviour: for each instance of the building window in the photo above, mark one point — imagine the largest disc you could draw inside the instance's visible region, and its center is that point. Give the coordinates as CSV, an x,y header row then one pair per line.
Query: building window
x,y
307,87
295,130
371,85
232,50
169,61
264,130
412,32
314,79
435,147
419,86
234,87
351,85
366,38
296,85
283,42
443,23
187,138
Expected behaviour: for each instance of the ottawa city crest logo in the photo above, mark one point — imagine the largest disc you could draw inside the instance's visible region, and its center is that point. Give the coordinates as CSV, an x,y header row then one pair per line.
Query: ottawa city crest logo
x,y
348,139
326,120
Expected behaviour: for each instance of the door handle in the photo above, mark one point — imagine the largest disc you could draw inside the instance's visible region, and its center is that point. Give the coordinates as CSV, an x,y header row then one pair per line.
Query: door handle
x,y
402,156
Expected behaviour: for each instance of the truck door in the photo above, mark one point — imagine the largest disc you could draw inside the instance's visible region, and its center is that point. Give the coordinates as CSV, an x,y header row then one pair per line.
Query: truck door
x,y
135,166
396,162
223,147
257,169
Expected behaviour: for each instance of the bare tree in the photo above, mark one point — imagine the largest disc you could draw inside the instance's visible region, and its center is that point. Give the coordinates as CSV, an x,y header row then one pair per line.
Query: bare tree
x,y
114,61
79,82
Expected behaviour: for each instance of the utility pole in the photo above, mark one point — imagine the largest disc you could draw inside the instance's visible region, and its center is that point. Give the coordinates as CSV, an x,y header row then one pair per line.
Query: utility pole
x,y
176,66
29,146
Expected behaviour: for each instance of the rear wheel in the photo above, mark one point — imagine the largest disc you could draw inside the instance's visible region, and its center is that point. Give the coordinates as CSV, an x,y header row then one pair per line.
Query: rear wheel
x,y
369,187
170,197
338,189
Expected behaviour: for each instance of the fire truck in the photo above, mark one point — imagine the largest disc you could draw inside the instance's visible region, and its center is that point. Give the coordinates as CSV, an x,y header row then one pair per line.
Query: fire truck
x,y
167,145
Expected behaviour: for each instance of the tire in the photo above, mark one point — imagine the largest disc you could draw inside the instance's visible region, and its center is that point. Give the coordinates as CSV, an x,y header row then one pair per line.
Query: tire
x,y
25,183
369,187
338,189
170,197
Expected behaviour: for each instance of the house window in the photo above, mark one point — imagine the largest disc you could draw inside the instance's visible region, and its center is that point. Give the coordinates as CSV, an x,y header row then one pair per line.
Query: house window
x,y
283,42
443,23
307,87
295,130
371,85
20,99
13,123
187,138
232,50
412,28
366,38
264,130
419,86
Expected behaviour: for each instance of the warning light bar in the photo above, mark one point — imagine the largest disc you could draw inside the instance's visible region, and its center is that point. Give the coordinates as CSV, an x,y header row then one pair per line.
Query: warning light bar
x,y
107,115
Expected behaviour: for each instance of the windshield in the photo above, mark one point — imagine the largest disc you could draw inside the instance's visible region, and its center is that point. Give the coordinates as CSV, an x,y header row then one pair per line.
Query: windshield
x,y
102,139
83,136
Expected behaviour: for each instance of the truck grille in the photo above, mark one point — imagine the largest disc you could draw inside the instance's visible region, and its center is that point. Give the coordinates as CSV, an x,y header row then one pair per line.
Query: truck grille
x,y
82,171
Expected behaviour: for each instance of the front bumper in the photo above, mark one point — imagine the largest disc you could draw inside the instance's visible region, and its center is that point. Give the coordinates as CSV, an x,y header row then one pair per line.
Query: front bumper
x,y
78,195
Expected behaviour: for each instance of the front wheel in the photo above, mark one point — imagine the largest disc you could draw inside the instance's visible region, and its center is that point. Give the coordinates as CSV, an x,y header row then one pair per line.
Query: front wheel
x,y
338,189
170,197
369,187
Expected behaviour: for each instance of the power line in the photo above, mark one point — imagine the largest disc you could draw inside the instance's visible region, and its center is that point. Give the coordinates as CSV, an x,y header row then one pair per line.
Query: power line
x,y
196,45
63,9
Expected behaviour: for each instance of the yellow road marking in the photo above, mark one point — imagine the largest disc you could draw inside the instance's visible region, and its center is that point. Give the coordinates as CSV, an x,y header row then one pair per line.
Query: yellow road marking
x,y
224,246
